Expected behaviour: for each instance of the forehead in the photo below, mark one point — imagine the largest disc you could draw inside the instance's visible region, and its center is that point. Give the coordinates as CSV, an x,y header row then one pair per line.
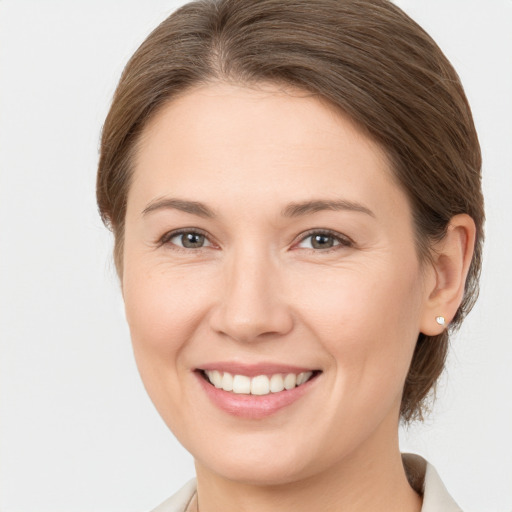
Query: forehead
x,y
223,139
229,114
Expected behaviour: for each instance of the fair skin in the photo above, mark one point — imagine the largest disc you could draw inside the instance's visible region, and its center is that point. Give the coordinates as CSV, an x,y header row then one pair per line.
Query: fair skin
x,y
296,254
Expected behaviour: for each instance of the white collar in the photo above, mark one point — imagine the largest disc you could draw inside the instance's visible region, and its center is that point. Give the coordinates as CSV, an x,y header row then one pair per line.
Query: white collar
x,y
423,475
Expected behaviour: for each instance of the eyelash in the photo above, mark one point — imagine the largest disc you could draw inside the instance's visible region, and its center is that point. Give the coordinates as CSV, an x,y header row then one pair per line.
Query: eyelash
x,y
342,240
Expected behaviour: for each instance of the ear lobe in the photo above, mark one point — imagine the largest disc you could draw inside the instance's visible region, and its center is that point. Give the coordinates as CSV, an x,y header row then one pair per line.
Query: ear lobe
x,y
451,258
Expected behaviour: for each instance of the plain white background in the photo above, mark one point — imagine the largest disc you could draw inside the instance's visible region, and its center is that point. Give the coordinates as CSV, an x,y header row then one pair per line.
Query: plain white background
x,y
77,431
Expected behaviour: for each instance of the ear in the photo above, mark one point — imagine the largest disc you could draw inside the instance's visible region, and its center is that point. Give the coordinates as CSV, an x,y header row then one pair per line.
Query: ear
x,y
451,258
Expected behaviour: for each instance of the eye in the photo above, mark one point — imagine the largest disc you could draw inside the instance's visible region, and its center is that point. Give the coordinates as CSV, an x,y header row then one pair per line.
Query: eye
x,y
186,239
323,240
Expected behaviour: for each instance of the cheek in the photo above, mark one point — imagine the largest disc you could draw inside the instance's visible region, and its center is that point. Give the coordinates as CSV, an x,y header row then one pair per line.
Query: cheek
x,y
163,310
161,306
368,321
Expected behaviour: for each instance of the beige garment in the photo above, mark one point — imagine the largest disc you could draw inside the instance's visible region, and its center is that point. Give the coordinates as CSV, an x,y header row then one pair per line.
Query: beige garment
x,y
421,474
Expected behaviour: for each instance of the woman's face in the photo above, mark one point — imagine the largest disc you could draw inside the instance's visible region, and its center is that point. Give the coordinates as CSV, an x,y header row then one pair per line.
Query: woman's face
x,y
265,237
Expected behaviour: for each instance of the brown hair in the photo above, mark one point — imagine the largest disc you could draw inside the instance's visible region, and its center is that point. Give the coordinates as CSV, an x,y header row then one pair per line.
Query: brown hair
x,y
366,57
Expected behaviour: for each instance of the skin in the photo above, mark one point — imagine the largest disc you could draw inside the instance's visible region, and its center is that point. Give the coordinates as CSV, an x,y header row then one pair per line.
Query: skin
x,y
259,291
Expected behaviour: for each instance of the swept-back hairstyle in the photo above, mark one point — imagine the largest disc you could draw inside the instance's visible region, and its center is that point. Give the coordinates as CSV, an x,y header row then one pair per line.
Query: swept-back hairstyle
x,y
365,57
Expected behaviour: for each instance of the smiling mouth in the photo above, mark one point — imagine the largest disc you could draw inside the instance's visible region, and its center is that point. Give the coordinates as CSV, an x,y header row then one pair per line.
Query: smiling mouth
x,y
260,385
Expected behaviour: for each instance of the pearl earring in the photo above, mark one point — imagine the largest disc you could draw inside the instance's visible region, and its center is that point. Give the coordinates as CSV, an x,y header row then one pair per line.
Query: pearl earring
x,y
440,320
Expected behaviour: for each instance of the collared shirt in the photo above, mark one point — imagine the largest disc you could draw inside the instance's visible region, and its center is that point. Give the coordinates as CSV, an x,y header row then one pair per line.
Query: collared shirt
x,y
422,476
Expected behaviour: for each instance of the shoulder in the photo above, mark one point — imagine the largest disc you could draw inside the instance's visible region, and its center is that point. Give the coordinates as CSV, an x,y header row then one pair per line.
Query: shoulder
x,y
425,479
178,502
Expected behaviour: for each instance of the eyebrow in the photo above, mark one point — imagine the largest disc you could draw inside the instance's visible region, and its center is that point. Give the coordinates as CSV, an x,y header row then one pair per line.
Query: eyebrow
x,y
299,209
292,210
193,207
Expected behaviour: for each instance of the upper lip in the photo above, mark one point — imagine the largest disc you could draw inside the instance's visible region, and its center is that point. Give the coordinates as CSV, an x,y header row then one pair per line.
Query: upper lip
x,y
254,369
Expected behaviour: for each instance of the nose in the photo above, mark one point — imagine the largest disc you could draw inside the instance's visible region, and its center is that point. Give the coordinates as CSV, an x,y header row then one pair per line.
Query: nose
x,y
252,304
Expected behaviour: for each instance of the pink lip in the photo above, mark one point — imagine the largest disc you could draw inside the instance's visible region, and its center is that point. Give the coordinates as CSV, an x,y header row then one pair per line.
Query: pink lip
x,y
253,370
253,406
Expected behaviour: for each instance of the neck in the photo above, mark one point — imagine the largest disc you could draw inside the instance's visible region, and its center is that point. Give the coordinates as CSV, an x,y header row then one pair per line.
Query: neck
x,y
372,478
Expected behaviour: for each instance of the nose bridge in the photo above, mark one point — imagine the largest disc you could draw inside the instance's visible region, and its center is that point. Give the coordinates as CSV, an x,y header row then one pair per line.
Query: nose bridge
x,y
251,302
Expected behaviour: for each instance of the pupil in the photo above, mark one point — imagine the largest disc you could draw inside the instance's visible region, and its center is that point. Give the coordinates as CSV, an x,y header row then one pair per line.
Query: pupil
x,y
192,240
322,241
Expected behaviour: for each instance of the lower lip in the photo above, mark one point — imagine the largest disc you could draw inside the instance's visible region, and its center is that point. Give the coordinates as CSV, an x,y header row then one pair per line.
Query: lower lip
x,y
253,406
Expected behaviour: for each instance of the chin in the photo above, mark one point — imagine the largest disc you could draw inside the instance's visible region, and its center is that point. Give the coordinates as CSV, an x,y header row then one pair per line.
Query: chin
x,y
261,461
260,473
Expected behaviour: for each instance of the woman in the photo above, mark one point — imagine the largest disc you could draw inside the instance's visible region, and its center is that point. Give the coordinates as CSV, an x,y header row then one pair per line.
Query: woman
x,y
294,190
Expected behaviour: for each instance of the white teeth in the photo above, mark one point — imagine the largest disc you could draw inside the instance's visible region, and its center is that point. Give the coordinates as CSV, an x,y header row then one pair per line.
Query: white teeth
x,y
290,381
227,382
276,383
241,384
303,377
216,378
260,385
